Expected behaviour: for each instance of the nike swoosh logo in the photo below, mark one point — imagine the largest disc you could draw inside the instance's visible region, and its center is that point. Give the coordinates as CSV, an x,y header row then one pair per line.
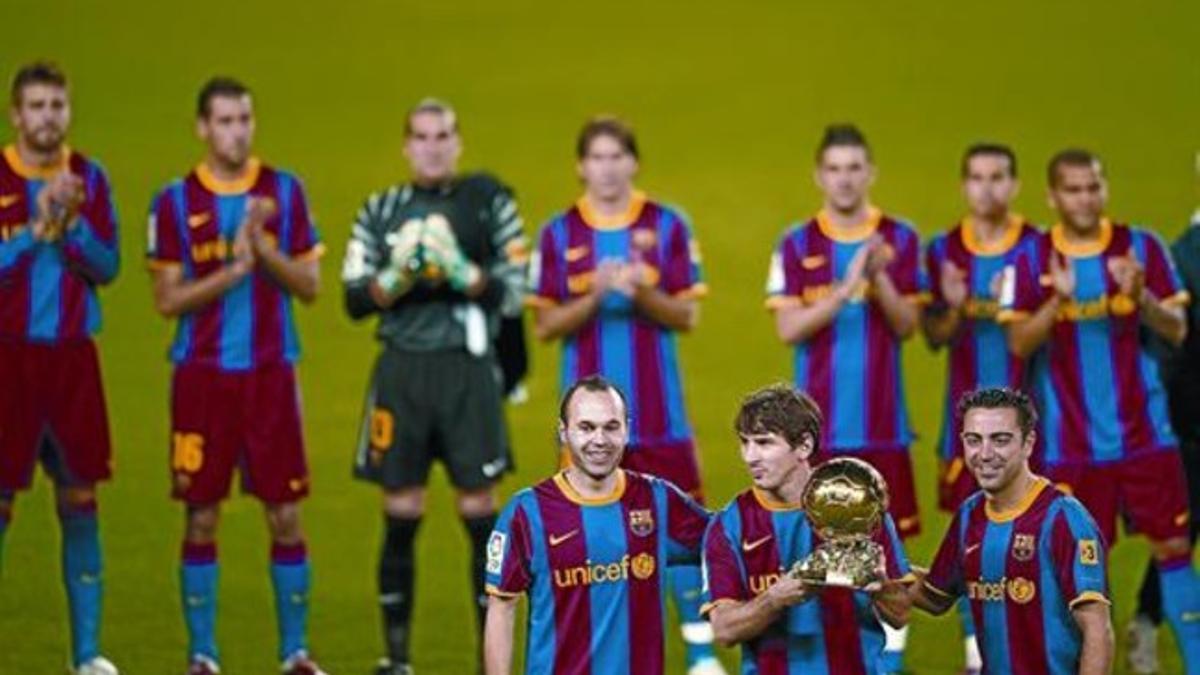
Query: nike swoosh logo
x,y
748,546
812,262
555,540
576,253
198,219
971,549
8,200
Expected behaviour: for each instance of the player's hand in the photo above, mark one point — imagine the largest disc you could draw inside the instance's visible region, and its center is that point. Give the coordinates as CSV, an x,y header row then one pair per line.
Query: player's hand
x,y
880,254
789,591
953,284
66,198
1129,274
441,249
258,211
854,281
606,276
1062,275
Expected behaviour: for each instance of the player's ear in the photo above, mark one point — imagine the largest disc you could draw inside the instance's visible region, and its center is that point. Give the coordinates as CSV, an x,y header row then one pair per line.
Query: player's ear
x,y
806,446
1016,187
562,433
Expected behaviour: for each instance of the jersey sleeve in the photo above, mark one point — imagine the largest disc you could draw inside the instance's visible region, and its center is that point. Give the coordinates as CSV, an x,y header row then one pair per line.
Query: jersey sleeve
x,y
366,256
721,570
509,551
1077,550
945,576
509,265
682,274
1162,277
686,523
163,245
935,256
784,284
547,271
895,560
303,240
91,246
906,271
1021,289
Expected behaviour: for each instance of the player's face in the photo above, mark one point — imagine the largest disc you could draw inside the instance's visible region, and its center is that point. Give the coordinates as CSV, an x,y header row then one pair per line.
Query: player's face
x,y
607,170
845,175
595,432
228,129
989,186
432,146
771,460
1079,195
42,117
995,449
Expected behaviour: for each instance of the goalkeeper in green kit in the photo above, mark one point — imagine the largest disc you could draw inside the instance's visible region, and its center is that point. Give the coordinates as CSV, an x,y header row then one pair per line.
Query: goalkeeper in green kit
x,y
441,260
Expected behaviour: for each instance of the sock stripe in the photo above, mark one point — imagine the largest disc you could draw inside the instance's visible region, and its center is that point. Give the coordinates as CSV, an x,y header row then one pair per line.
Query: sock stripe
x,y
199,554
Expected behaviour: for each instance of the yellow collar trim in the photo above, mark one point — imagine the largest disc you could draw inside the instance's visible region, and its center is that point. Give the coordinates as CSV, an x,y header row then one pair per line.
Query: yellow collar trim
x,y
852,234
598,221
13,157
569,491
1022,506
765,501
1082,249
1012,233
236,186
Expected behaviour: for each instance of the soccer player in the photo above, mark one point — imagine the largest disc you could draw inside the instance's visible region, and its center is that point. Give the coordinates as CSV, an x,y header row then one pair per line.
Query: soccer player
x,y
964,267
588,547
229,245
1180,368
1029,558
58,245
846,287
615,277
1079,304
439,259
784,624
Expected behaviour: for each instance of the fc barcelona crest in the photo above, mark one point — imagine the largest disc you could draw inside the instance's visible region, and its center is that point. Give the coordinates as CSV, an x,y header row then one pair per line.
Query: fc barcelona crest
x,y
644,239
641,522
1023,547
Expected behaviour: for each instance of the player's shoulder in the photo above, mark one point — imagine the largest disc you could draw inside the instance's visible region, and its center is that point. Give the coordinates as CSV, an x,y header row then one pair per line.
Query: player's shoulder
x,y
798,231
379,204
484,184
898,227
972,503
85,165
670,212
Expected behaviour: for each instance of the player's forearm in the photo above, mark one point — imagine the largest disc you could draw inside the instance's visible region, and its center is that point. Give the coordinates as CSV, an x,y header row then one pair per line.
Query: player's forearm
x,y
678,314
1025,336
734,623
941,327
926,600
174,298
301,278
1095,626
498,636
15,248
900,312
797,324
97,260
1168,322
556,321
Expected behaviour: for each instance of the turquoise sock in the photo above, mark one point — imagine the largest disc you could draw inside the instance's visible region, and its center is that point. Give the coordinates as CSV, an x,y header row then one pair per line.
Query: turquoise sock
x,y
198,590
290,576
1181,608
81,569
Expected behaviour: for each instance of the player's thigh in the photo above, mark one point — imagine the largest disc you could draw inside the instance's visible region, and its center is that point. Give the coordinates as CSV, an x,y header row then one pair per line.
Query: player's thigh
x,y
896,468
276,468
1153,494
394,448
22,418
78,416
205,439
470,421
1094,487
674,462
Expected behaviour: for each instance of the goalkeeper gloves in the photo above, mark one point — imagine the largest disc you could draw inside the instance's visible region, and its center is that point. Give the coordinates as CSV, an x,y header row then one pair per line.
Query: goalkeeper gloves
x,y
404,261
441,249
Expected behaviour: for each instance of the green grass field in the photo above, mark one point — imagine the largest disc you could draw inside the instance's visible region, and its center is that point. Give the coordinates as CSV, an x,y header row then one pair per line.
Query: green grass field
x,y
728,99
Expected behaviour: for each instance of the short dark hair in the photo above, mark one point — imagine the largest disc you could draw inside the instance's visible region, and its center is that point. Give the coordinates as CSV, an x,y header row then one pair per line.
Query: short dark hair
x,y
218,86
842,134
991,398
592,383
606,125
38,72
780,409
1077,157
992,150
430,104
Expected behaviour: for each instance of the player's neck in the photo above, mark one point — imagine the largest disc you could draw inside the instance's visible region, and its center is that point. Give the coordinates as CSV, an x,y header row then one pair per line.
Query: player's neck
x,y
989,228
1074,235
226,171
610,205
791,491
41,159
1012,494
590,487
847,218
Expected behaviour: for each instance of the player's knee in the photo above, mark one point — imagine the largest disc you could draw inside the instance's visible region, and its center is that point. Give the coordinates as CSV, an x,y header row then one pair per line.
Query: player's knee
x,y
201,525
284,523
75,499
476,503
404,503
1168,549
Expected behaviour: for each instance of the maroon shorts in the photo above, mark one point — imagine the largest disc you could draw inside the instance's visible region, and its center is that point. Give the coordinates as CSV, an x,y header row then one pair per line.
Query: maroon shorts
x,y
675,462
955,484
896,467
247,419
1149,489
52,408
